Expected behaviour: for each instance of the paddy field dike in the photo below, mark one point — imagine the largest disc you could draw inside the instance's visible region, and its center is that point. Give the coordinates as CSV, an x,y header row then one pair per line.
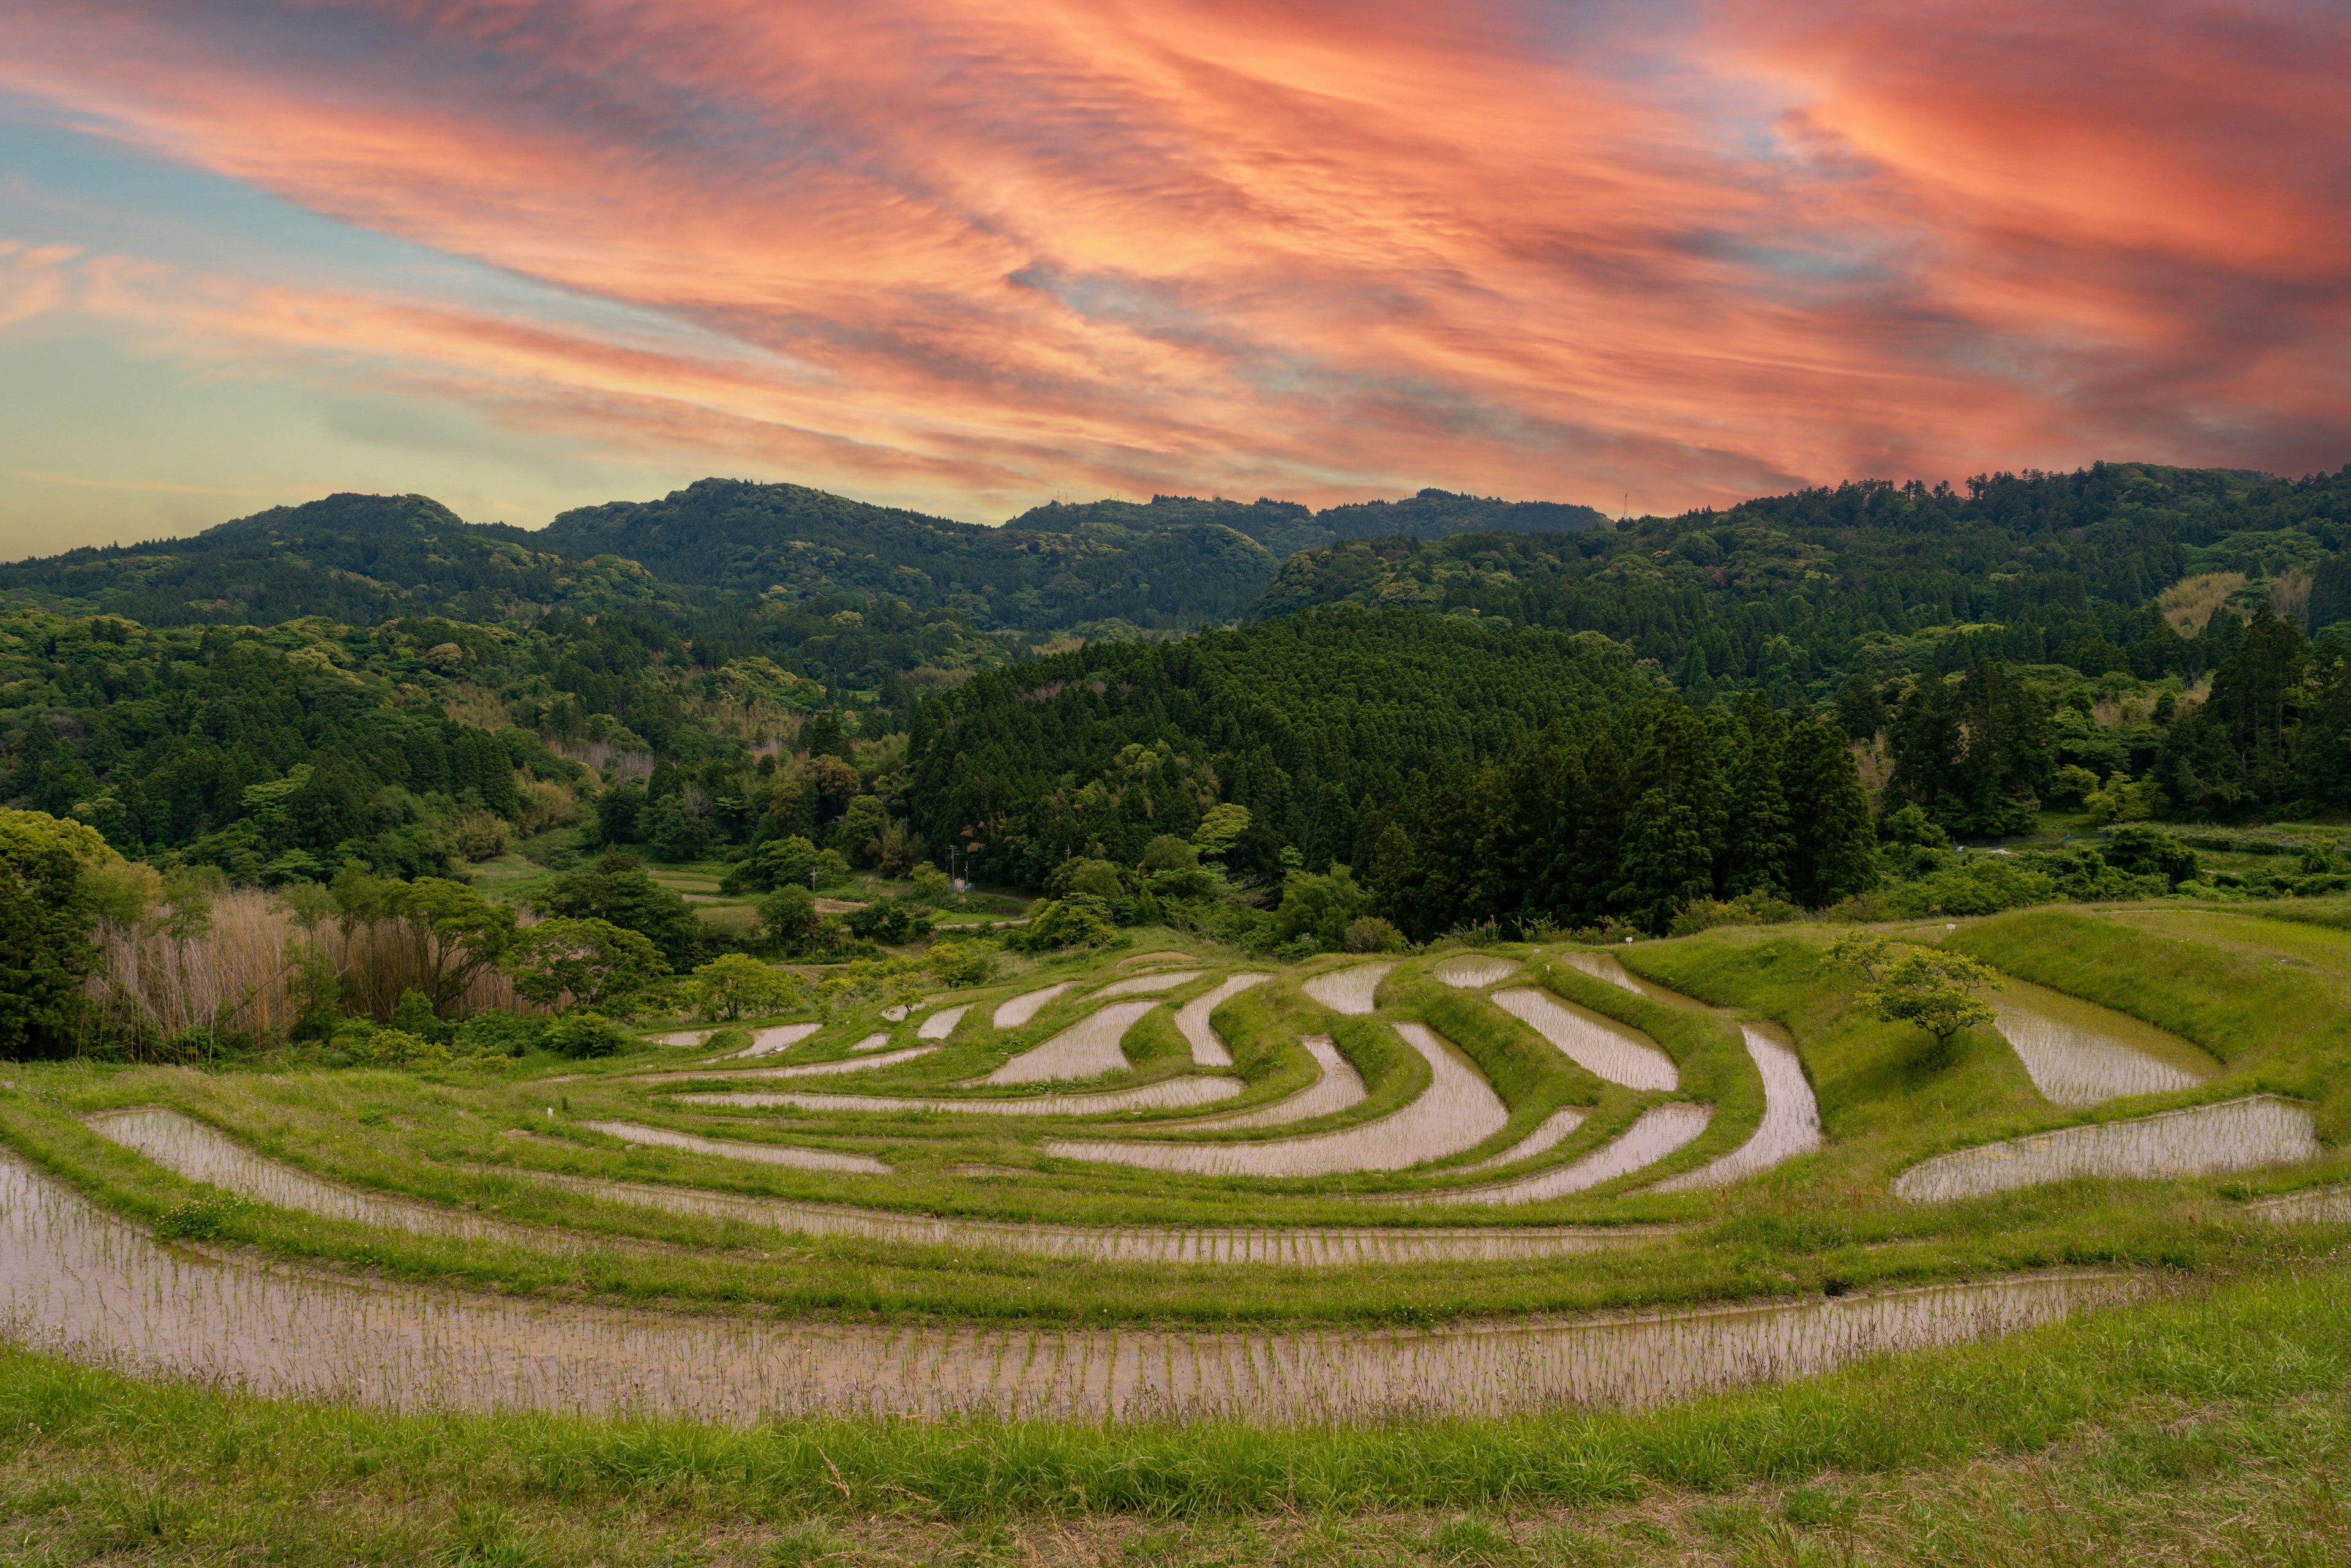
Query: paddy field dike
x,y
1666,1252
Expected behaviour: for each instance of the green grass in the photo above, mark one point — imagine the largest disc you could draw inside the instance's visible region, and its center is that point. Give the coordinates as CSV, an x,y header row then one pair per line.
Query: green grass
x,y
2222,1417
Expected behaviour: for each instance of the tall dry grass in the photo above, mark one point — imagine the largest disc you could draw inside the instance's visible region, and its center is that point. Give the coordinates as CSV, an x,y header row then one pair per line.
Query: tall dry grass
x,y
241,975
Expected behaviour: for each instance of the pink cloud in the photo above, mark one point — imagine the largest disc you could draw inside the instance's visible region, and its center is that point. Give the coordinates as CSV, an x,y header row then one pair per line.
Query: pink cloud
x,y
975,251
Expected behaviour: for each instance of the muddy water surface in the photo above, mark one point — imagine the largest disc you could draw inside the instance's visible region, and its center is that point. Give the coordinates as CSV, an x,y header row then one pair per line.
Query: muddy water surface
x,y
1087,1048
2079,1053
737,1149
1339,1088
1141,984
1458,1110
1473,971
1600,1046
2203,1140
1170,1094
1353,991
1021,1009
1208,1049
1792,1116
79,1282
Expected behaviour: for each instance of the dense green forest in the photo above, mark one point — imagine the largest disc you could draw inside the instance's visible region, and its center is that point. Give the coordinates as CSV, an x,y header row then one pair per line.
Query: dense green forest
x,y
1802,700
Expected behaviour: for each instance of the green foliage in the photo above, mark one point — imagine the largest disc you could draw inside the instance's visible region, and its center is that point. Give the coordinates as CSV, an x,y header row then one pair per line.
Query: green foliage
x,y
1930,987
961,963
583,1035
1320,909
202,1217
413,1014
735,985
592,962
1370,934
789,916
778,862
1081,920
45,912
494,1034
617,890
391,1048
894,921
1979,884
461,932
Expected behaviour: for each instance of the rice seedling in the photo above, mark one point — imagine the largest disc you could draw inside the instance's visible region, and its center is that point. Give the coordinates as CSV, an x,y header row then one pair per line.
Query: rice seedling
x,y
869,1062
1087,1048
1353,990
1140,983
1192,1020
2202,1140
1337,1087
77,1281
1791,1117
1553,1130
1474,971
1170,1094
1457,1111
2080,1054
1600,1046
941,1024
1019,1009
1659,1132
2312,1206
735,1149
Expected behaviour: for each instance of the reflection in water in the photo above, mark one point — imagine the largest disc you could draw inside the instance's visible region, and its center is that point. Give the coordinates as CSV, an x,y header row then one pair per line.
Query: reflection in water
x,y
2079,1053
1791,1117
77,1281
2203,1140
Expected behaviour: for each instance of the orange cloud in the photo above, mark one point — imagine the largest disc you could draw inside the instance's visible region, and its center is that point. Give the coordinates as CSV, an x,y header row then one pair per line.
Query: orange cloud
x,y
974,251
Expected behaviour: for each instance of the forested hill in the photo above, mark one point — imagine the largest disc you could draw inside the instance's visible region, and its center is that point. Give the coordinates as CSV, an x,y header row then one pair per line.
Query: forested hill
x,y
1875,579
1302,721
350,557
1285,528
799,542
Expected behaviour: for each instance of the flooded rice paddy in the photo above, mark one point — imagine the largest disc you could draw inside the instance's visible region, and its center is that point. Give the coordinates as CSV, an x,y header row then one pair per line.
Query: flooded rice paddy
x,y
737,1149
2312,1206
1087,1048
189,1149
683,1037
1192,1021
866,1063
781,1037
1353,991
1458,1110
1021,1009
2202,1140
2079,1053
1606,968
1169,1094
79,1282
1474,971
1792,1116
940,1025
1656,1132
1141,984
1555,1130
1339,1088
1296,1246
1600,1046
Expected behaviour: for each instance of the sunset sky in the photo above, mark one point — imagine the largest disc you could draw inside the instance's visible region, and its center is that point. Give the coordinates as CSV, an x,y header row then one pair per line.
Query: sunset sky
x,y
525,256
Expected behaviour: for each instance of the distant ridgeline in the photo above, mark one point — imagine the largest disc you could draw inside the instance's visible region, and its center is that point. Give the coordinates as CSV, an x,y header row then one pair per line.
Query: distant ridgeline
x,y
1439,665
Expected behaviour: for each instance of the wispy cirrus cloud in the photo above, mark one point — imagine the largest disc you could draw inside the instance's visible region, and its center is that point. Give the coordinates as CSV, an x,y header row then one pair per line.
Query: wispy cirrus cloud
x,y
964,253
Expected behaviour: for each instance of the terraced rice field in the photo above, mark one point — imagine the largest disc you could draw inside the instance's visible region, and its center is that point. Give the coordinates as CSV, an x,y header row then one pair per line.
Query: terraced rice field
x,y
1087,1048
1192,1020
1352,991
76,1280
1792,1116
1457,1111
2203,1140
1600,1046
1538,1139
2080,1054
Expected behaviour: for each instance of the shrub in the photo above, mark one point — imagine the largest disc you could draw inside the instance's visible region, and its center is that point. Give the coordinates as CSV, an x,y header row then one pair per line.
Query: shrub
x,y
395,1048
1370,934
1982,885
1756,908
581,1035
1081,920
202,1217
735,983
789,916
778,862
413,1014
931,883
959,964
496,1033
894,921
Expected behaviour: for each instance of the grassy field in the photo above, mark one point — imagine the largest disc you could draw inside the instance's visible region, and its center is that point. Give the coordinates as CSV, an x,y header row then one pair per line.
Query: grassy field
x,y
2205,1426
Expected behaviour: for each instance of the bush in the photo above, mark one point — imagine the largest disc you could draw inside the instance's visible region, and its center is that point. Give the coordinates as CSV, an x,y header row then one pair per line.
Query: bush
x,y
500,1034
1758,908
932,884
1320,907
1862,908
583,1035
735,984
778,862
1370,934
202,1217
892,921
2145,852
1080,920
961,964
395,1048
414,1013
1983,885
